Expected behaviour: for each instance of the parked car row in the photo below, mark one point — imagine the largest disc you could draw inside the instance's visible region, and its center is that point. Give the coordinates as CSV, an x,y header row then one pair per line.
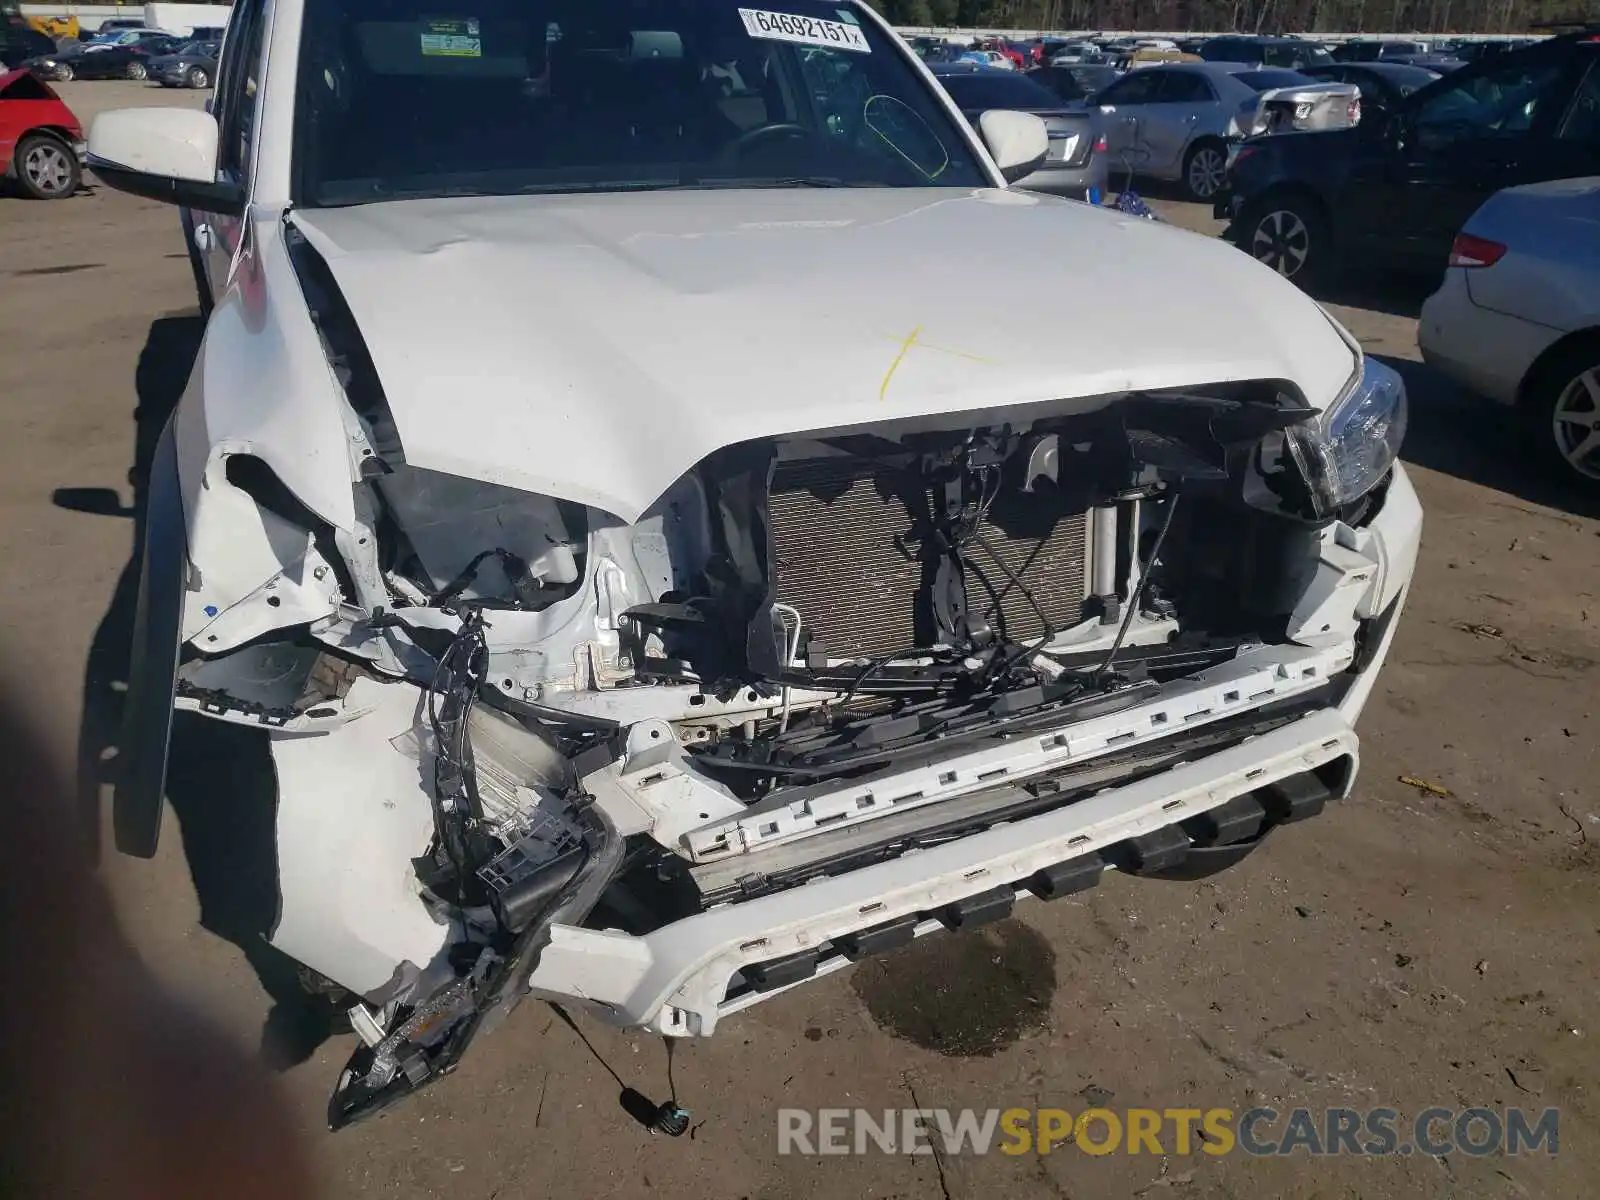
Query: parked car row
x,y
1396,191
1488,174
126,58
162,58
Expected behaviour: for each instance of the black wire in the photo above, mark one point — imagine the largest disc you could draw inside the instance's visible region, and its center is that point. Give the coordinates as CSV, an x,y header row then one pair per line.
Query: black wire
x,y
974,534
872,668
584,1038
994,672
1015,577
465,579
1138,591
1022,653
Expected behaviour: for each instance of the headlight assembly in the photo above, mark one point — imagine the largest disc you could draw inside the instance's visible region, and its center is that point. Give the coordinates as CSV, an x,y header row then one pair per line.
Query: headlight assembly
x,y
1350,447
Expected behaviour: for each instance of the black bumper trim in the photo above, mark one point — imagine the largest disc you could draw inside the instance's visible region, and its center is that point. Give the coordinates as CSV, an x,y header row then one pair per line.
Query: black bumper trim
x,y
1192,849
982,909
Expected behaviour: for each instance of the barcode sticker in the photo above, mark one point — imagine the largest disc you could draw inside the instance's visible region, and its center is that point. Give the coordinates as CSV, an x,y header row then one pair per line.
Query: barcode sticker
x,y
805,31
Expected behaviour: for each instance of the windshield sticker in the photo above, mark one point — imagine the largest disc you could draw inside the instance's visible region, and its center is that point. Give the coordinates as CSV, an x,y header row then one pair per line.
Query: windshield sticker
x,y
451,38
804,31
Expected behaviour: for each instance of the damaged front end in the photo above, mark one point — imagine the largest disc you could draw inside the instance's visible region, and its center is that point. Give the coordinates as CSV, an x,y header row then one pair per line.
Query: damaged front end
x,y
524,746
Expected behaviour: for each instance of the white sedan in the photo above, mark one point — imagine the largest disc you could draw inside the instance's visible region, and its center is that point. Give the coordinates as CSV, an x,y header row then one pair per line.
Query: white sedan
x,y
1517,318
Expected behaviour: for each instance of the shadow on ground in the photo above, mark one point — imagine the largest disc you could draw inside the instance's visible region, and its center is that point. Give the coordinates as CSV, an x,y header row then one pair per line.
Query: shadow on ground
x,y
1396,293
220,781
1456,433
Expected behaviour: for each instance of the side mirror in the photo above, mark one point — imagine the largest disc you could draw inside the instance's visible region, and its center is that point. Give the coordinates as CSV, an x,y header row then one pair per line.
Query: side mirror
x,y
167,154
1017,141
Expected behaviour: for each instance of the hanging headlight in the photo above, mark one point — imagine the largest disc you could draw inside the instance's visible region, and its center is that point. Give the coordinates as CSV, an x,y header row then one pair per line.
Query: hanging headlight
x,y
1350,447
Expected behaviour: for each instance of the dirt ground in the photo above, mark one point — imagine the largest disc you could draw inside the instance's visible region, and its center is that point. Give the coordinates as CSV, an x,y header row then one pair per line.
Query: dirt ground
x,y
1407,949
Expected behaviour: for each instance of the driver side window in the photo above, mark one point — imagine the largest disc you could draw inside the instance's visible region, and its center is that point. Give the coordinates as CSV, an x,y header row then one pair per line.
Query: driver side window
x,y
1138,87
1183,87
1502,103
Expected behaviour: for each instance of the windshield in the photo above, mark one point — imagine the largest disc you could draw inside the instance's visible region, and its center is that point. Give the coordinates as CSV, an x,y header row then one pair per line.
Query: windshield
x,y
198,49
500,97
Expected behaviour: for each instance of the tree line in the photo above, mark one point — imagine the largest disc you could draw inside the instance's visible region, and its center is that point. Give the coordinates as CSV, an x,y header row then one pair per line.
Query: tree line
x,y
1249,16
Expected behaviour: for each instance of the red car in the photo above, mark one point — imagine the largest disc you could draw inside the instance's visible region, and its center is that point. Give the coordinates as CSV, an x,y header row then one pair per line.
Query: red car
x,y
1018,59
41,142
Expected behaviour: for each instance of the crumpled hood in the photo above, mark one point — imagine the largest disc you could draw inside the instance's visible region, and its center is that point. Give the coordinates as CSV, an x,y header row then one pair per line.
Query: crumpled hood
x,y
596,347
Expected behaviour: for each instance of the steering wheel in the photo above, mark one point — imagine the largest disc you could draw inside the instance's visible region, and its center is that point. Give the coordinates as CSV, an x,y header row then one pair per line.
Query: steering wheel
x,y
762,134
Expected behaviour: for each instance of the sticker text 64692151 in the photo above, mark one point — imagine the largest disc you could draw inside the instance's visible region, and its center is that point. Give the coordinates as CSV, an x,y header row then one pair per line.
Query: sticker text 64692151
x,y
806,31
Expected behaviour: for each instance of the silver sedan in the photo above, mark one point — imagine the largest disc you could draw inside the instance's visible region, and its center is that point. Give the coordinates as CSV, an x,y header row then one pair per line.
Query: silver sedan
x,y
1517,318
1174,122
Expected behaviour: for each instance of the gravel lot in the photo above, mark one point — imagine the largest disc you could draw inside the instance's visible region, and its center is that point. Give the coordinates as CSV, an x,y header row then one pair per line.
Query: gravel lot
x,y
1408,949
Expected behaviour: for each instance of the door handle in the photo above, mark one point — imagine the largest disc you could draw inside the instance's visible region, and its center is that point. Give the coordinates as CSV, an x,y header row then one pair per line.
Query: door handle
x,y
202,238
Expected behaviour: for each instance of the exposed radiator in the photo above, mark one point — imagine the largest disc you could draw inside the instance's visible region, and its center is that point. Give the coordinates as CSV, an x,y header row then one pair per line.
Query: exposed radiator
x,y
849,558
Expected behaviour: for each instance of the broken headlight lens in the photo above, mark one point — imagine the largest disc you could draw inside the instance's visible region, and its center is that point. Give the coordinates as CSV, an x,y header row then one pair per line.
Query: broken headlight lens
x,y
1348,450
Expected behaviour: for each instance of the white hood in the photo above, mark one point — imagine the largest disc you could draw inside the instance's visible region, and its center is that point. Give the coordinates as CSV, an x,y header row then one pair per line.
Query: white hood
x,y
596,347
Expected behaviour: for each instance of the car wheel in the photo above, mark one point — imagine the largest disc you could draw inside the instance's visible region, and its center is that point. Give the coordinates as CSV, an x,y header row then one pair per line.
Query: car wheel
x,y
64,73
1287,234
1205,170
198,78
136,71
46,168
1566,412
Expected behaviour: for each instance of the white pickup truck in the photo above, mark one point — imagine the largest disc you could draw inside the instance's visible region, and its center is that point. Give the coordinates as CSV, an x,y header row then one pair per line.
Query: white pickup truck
x,y
662,579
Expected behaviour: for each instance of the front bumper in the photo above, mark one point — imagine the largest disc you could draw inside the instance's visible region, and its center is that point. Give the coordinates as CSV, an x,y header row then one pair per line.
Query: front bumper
x,y
681,980
352,805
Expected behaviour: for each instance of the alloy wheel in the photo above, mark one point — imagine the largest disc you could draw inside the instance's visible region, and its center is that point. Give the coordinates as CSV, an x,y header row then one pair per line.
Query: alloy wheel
x,y
1575,423
136,70
1282,241
47,167
1207,170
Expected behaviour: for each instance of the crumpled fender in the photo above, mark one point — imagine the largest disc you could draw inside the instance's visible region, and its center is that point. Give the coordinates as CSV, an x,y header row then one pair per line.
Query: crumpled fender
x,y
261,357
259,354
261,388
